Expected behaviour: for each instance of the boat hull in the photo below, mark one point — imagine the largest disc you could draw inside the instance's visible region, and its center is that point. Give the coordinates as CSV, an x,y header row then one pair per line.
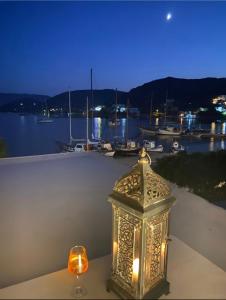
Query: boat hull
x,y
168,132
126,152
147,131
157,149
110,154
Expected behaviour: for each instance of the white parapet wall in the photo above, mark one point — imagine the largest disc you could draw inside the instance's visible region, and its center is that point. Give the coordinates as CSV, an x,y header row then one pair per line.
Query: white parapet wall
x,y
49,203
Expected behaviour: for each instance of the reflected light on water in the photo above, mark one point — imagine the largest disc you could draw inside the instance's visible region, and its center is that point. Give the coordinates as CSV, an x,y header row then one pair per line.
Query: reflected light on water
x,y
224,127
157,121
97,130
211,144
22,120
123,127
181,121
213,127
222,144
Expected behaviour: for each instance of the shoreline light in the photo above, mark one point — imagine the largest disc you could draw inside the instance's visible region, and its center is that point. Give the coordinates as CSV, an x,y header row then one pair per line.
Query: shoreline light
x,y
169,16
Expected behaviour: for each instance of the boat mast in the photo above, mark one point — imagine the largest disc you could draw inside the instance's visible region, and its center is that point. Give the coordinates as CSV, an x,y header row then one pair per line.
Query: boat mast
x,y
116,104
151,107
69,104
127,120
166,106
87,122
91,90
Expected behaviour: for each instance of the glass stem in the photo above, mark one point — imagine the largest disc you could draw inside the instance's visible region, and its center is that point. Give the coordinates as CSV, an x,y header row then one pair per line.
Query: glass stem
x,y
77,281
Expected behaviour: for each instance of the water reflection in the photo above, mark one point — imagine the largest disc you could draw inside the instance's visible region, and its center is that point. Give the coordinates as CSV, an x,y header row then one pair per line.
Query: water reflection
x,y
211,144
188,122
213,127
224,127
97,128
222,144
123,127
181,121
157,121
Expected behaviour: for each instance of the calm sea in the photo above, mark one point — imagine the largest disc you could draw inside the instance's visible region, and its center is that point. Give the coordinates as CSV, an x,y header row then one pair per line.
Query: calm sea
x,y
25,136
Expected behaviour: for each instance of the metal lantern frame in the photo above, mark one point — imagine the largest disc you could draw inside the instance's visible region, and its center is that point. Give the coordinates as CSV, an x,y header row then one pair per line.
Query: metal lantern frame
x,y
141,204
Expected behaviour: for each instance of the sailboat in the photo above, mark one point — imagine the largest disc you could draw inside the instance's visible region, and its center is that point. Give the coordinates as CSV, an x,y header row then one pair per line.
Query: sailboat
x,y
129,147
93,141
149,131
74,145
45,119
115,122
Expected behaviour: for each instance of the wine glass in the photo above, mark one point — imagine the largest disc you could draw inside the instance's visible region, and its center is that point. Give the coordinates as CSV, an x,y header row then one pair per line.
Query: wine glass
x,y
78,264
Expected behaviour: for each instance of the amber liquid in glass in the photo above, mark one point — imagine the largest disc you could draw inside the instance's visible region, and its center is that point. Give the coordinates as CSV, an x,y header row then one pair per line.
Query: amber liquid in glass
x,y
77,264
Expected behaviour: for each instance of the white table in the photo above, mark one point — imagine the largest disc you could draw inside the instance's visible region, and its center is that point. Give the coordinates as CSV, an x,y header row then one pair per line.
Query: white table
x,y
190,275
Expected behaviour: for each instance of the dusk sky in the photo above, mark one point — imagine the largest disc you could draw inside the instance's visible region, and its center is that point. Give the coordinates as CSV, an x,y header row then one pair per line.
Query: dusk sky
x,y
45,47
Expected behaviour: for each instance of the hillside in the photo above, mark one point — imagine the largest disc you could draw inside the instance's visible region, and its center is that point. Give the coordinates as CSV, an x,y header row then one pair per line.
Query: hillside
x,y
24,105
78,99
187,93
8,97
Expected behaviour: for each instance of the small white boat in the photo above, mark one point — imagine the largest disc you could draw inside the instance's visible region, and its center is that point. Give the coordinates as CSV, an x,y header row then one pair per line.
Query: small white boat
x,y
114,123
127,149
169,131
150,146
176,147
104,146
45,120
110,153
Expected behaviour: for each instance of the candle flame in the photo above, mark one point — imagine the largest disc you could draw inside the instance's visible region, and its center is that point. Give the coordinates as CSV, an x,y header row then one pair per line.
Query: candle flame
x,y
136,266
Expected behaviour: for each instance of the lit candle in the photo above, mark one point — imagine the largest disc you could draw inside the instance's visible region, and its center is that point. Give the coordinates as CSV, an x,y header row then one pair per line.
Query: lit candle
x,y
115,247
80,263
163,250
135,269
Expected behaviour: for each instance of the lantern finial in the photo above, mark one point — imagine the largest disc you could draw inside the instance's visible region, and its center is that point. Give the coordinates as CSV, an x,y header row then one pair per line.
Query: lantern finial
x,y
144,157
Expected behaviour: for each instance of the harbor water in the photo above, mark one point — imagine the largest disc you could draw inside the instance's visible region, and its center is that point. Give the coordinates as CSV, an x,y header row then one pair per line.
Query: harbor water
x,y
24,135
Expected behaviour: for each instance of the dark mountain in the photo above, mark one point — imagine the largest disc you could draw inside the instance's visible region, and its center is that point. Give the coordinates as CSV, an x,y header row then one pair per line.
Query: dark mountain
x,y
78,99
187,93
24,105
8,97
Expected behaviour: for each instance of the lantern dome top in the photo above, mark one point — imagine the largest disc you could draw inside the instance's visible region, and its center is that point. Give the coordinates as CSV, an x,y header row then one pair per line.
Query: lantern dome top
x,y
141,188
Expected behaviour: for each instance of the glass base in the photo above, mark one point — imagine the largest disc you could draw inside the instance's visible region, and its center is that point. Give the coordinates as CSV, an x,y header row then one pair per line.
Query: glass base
x,y
78,292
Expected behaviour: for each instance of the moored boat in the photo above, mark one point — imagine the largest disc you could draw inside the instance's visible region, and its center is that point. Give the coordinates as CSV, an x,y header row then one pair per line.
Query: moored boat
x,y
114,123
173,131
176,147
150,146
147,131
110,153
130,148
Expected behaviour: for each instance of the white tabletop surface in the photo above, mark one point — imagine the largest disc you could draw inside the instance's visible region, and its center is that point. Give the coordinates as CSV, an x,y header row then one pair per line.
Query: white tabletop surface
x,y
191,276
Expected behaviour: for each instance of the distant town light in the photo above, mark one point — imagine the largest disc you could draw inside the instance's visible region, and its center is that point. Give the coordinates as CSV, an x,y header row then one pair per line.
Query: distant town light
x,y
122,109
98,108
168,16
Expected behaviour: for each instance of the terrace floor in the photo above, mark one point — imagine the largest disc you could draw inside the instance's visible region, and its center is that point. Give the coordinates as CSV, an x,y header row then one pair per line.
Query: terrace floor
x,y
191,276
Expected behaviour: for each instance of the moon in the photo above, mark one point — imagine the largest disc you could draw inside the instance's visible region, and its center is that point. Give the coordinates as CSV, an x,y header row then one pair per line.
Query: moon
x,y
168,16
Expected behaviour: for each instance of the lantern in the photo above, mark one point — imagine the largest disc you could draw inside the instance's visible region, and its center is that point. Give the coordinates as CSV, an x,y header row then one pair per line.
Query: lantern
x,y
141,203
